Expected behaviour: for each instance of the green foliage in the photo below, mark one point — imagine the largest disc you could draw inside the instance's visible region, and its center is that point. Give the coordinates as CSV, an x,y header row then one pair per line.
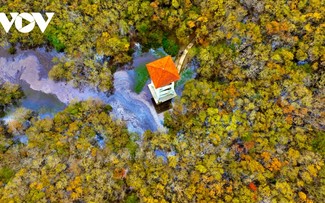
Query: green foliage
x,y
12,50
108,108
9,95
65,154
141,77
55,42
318,142
132,146
248,129
143,28
132,198
170,46
6,174
240,123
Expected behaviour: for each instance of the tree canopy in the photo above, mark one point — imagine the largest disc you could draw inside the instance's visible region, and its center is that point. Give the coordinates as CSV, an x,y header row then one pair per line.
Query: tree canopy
x,y
248,128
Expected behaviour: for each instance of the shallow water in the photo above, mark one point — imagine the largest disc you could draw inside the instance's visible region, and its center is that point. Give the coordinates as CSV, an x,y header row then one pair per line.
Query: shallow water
x,y
44,104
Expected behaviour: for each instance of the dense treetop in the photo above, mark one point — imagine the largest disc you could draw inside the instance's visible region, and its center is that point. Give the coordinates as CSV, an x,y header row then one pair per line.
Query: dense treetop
x,y
248,128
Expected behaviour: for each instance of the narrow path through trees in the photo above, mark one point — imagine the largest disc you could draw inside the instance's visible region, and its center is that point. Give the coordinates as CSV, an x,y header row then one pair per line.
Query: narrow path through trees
x,y
180,60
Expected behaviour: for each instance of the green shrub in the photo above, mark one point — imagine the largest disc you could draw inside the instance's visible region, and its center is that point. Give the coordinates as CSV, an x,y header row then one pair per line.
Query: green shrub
x,y
54,40
318,143
12,50
132,198
108,108
170,46
6,174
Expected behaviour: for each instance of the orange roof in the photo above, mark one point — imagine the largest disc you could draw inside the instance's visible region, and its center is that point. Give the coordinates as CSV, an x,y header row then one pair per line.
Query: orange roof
x,y
163,71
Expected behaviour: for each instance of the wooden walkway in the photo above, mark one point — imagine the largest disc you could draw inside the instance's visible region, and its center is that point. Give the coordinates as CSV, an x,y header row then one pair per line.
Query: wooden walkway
x,y
180,62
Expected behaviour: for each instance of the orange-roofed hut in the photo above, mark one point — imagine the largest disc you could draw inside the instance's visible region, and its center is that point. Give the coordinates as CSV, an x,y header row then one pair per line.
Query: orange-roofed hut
x,y
163,74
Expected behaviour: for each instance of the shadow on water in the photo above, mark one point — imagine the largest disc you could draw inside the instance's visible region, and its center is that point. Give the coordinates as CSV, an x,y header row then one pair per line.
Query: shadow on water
x,y
47,105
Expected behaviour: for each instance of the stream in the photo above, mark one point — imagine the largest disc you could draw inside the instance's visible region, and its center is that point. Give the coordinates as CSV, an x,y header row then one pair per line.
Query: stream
x,y
29,68
47,105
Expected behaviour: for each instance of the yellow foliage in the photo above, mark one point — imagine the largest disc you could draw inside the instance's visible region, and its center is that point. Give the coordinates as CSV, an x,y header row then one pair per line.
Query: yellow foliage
x,y
191,24
154,4
201,168
203,19
74,195
229,35
93,152
315,66
219,189
33,185
306,177
105,34
39,186
317,15
229,189
172,161
300,183
302,196
215,139
312,170
155,18
114,160
78,190
308,28
266,156
289,119
59,143
275,165
160,187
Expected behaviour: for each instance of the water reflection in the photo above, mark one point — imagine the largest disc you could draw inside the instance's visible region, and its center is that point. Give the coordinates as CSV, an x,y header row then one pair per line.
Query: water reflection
x,y
47,105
